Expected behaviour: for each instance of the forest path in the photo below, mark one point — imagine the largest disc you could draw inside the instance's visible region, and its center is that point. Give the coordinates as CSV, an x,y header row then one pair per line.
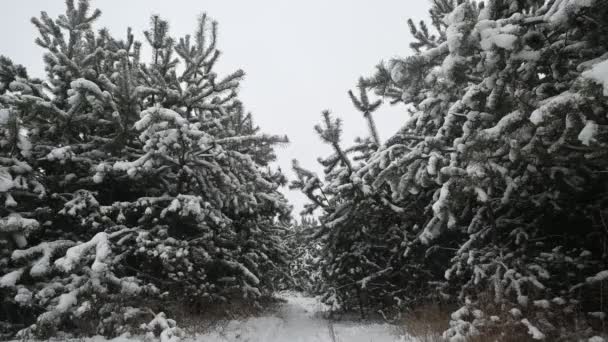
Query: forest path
x,y
300,319
297,319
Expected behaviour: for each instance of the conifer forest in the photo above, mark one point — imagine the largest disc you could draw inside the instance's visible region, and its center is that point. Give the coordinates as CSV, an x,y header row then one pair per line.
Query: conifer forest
x,y
141,201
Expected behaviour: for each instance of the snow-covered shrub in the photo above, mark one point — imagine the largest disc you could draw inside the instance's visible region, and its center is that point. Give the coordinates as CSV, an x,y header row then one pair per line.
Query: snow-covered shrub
x,y
165,329
493,192
129,182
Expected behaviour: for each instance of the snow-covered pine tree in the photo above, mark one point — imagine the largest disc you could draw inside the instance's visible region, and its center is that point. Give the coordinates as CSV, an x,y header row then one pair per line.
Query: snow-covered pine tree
x,y
500,168
304,270
360,228
131,178
506,129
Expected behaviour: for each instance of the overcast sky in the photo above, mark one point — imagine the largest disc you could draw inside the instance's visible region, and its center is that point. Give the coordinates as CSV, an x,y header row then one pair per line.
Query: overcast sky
x,y
300,57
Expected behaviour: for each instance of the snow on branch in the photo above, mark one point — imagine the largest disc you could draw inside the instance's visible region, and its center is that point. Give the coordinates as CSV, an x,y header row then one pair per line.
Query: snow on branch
x,y
601,276
42,266
158,113
18,227
363,282
99,243
253,138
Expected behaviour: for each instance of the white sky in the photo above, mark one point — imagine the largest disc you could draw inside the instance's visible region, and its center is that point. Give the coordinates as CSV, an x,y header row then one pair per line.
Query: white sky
x,y
300,57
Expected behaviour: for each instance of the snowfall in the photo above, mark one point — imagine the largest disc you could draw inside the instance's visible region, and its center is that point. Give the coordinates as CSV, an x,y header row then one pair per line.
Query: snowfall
x,y
297,319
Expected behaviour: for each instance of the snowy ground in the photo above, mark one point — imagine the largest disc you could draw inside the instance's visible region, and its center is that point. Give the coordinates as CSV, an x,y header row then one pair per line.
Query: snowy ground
x,y
300,319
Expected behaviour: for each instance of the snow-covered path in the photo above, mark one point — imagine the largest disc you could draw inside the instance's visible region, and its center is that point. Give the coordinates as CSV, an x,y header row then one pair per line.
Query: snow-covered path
x,y
299,320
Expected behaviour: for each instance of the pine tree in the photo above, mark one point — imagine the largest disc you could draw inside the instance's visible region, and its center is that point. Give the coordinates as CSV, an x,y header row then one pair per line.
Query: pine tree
x,y
304,271
498,174
359,227
127,179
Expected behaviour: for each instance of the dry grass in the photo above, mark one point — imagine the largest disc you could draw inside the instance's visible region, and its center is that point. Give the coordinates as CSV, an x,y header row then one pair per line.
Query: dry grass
x,y
510,335
428,322
200,317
